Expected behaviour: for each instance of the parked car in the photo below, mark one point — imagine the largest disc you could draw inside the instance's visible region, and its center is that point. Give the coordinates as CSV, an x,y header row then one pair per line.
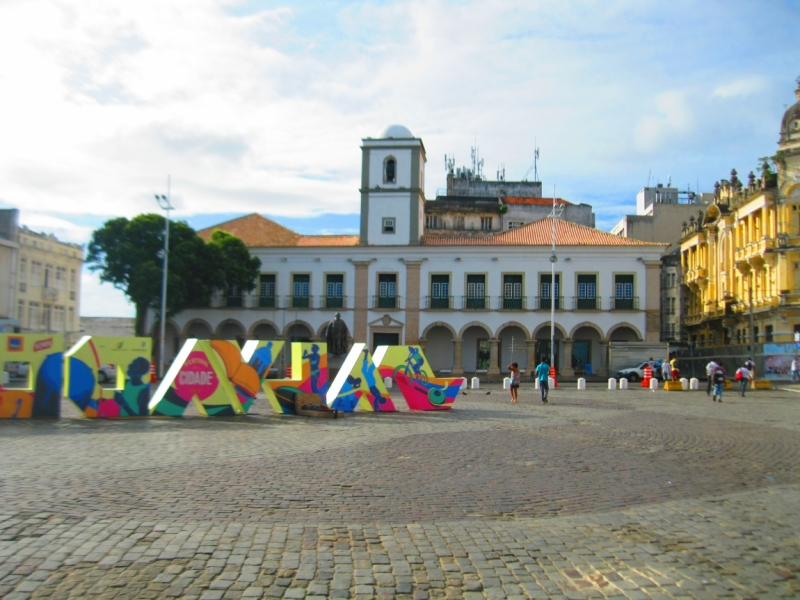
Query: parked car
x,y
107,373
637,373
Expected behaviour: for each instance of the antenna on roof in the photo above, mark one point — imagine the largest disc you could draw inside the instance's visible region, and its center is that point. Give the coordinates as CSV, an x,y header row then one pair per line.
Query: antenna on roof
x,y
649,174
534,166
449,164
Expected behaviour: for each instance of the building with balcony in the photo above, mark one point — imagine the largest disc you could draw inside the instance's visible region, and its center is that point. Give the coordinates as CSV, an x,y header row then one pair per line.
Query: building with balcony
x,y
742,253
47,289
476,303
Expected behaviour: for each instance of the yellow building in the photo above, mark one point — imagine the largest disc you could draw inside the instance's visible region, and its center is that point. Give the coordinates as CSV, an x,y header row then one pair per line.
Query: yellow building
x,y
48,284
741,256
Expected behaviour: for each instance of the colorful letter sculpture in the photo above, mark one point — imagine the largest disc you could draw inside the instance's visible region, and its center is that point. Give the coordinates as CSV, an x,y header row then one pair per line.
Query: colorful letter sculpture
x,y
130,356
309,376
408,367
359,385
212,375
261,355
40,395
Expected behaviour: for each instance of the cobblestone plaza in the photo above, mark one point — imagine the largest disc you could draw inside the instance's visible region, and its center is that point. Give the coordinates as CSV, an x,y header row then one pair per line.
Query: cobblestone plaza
x,y
627,494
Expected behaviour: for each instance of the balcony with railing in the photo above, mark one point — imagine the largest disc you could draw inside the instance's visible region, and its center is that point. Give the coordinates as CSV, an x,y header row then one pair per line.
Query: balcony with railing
x,y
439,302
586,303
549,303
625,303
386,302
332,302
299,302
265,302
234,301
512,303
474,303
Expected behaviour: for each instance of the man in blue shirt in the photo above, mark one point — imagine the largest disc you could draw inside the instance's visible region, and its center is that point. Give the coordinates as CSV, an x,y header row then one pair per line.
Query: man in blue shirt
x,y
542,374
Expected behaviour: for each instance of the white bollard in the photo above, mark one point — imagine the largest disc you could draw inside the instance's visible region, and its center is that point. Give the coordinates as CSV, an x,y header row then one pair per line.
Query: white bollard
x,y
388,382
653,384
463,384
612,383
506,383
581,383
623,383
536,383
476,383
684,384
551,383
694,383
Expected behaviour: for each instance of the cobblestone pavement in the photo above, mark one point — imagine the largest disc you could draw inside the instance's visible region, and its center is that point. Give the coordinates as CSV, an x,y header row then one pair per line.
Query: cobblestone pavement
x,y
627,494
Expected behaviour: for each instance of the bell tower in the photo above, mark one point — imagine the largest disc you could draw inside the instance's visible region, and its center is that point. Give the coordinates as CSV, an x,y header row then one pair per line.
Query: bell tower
x,y
392,188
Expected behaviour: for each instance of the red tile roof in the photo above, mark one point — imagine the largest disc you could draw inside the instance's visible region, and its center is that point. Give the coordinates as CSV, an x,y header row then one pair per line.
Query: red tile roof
x,y
539,233
257,231
329,240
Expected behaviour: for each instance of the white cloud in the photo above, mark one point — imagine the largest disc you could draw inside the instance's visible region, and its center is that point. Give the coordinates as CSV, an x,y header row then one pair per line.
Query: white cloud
x,y
63,229
745,86
673,119
263,110
103,299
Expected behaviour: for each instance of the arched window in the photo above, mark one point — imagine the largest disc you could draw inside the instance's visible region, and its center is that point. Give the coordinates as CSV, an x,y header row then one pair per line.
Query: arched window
x,y
390,170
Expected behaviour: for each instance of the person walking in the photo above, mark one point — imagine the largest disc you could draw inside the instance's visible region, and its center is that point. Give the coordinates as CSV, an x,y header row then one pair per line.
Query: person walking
x,y
742,376
795,371
751,366
542,374
719,383
514,368
710,368
665,370
674,367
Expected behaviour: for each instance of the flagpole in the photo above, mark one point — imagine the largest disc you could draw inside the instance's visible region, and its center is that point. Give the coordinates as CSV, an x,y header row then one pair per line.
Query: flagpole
x,y
553,287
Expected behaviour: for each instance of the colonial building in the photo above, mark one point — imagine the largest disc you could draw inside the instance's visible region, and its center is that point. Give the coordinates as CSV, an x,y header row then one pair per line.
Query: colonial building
x,y
48,288
476,303
660,212
741,255
40,278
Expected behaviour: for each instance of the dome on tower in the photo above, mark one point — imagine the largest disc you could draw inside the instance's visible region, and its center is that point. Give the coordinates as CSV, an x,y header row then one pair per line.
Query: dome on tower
x,y
790,125
396,131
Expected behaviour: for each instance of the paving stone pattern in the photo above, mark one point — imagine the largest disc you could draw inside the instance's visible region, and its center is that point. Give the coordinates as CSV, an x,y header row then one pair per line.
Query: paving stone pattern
x,y
598,495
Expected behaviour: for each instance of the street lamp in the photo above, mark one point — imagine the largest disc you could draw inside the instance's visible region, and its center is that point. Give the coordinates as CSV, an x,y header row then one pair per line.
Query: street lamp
x,y
163,202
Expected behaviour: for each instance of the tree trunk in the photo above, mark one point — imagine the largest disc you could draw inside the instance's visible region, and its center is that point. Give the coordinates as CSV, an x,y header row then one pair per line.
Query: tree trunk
x,y
141,317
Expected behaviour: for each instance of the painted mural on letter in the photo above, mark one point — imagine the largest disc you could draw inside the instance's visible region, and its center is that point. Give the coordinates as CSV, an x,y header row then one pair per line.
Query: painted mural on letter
x,y
212,375
309,376
415,379
359,385
35,366
129,357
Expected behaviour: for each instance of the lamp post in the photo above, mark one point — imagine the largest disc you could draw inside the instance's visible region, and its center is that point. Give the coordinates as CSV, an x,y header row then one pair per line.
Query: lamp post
x,y
553,288
163,202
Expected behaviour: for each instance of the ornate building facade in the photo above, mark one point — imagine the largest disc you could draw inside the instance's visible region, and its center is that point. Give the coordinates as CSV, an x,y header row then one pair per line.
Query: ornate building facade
x,y
740,257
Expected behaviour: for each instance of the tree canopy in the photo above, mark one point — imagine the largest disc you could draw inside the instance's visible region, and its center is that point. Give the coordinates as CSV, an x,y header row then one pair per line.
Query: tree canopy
x,y
127,253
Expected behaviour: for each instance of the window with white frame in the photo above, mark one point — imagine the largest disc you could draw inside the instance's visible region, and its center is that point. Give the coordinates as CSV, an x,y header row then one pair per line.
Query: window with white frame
x,y
301,286
388,224
34,316
58,318
37,273
61,278
486,223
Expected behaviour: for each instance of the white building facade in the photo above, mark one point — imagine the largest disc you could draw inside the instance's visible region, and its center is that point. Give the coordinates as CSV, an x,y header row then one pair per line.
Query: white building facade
x,y
474,304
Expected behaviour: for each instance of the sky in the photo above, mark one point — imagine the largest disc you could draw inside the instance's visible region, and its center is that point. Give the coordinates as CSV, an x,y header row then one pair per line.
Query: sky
x,y
260,106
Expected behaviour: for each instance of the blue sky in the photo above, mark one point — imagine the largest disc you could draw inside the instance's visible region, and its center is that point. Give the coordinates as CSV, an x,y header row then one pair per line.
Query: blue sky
x,y
260,106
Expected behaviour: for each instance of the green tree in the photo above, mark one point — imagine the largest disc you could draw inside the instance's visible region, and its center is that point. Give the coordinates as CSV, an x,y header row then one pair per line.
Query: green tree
x,y
127,253
241,269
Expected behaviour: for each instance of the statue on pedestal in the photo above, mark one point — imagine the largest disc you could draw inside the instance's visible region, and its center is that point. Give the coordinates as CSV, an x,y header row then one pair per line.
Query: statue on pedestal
x,y
336,335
